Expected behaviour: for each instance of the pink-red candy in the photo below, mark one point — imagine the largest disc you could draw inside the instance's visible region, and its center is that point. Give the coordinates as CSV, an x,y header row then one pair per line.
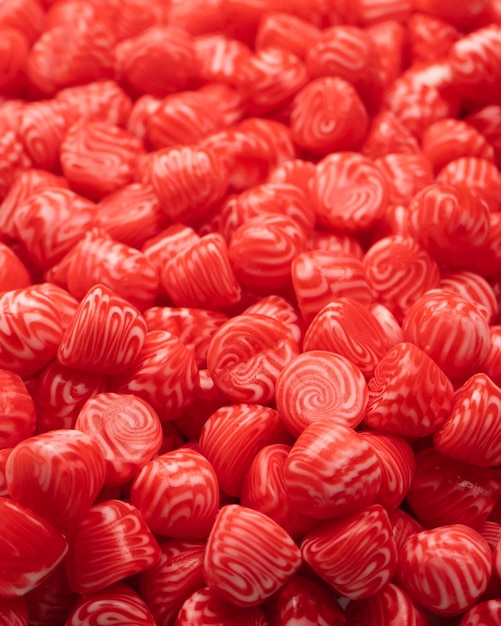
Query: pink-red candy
x,y
159,61
479,174
331,189
4,455
391,606
324,483
261,252
319,277
17,410
14,611
168,243
233,435
459,14
65,303
247,353
200,276
127,430
399,272
97,158
177,575
472,433
218,55
487,613
450,139
60,392
58,475
289,32
51,222
487,121
306,601
106,334
472,287
207,607
13,273
406,174
248,556
282,310
177,494
30,331
110,542
387,135
430,37
30,549
404,525
398,466
297,172
316,106
388,323
346,327
188,180
453,583
491,365
14,160
409,395
102,101
320,385
488,260
450,329
447,491
117,603
389,41
131,17
137,121
356,555
335,242
26,15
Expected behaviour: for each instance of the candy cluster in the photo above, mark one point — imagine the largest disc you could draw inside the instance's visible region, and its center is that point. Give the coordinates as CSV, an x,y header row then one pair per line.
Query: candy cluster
x,y
250,312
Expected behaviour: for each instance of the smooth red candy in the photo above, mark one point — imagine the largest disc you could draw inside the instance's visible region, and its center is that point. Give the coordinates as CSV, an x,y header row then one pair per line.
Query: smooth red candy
x,y
461,15
173,579
30,331
127,431
487,613
488,259
58,475
289,32
26,15
106,334
159,61
248,556
4,455
30,549
391,606
233,435
389,41
246,355
14,611
398,465
453,583
316,106
388,135
473,430
409,395
356,555
450,329
117,603
324,483
131,18
297,172
319,277
17,410
13,273
399,272
107,544
177,494
447,491
487,121
320,385
207,607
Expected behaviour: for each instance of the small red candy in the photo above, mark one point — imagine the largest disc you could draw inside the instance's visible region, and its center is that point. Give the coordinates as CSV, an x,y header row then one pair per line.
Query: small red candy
x,y
487,613
17,410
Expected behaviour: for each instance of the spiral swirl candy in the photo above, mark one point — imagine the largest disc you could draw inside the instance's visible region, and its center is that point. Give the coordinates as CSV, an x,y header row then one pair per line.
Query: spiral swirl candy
x,y
127,430
391,606
399,272
447,491
349,192
218,55
159,61
177,494
328,115
248,556
346,327
107,544
51,222
188,181
117,603
30,547
57,475
30,331
65,304
261,252
331,471
97,158
201,276
356,555
280,309
17,411
246,355
176,576
233,435
406,174
335,242
289,32
194,327
488,612
464,568
451,330
105,335
320,386
168,243
320,277
472,287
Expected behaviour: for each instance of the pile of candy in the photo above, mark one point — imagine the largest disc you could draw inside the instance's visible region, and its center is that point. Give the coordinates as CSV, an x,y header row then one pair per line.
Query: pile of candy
x,y
250,312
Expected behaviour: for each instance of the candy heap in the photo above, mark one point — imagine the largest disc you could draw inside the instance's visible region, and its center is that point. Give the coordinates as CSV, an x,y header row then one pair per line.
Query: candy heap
x,y
250,312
